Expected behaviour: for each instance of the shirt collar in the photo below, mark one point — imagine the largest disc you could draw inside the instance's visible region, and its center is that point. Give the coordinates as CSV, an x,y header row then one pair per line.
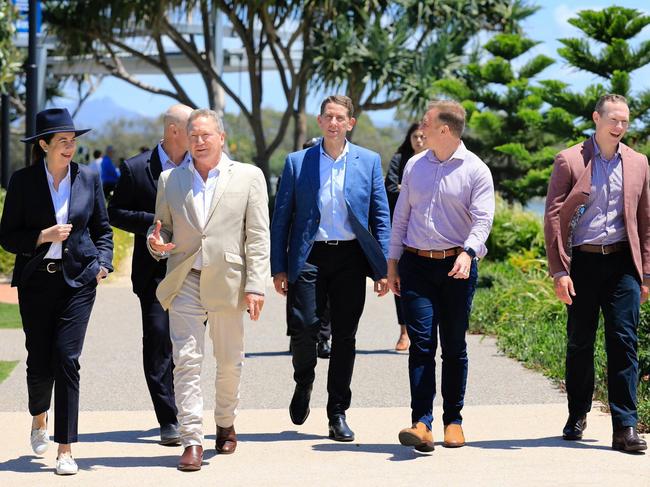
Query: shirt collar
x,y
597,152
346,150
459,154
214,171
164,158
50,178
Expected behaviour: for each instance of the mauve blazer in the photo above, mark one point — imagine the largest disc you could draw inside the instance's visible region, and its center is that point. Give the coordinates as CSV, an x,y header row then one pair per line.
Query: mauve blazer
x,y
568,194
28,209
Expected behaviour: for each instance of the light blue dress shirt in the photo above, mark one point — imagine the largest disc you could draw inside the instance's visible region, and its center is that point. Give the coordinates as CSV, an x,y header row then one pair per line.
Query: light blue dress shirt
x,y
334,220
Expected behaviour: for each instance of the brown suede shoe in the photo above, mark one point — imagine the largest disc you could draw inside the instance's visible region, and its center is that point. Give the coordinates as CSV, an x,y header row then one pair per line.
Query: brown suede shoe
x,y
418,436
191,459
226,440
454,437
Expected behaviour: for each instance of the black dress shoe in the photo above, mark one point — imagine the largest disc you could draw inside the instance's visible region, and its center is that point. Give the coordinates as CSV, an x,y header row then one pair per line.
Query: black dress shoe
x,y
299,407
627,439
324,350
339,429
574,427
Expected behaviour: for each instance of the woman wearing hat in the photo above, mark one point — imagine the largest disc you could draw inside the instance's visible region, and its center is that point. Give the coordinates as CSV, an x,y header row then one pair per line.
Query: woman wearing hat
x,y
55,221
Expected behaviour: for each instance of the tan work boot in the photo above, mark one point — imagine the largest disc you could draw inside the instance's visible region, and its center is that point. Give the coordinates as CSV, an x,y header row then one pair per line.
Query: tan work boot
x,y
454,437
418,436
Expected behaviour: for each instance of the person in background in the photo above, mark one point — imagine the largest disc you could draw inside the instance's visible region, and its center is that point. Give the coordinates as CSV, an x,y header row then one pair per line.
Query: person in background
x,y
132,209
109,173
55,221
413,143
597,232
96,163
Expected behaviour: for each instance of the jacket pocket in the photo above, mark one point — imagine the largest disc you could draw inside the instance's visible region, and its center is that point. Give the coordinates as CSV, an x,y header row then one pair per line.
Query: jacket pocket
x,y
233,258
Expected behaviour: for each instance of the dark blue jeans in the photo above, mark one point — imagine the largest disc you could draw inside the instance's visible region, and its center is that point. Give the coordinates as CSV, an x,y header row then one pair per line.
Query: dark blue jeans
x,y
433,303
607,282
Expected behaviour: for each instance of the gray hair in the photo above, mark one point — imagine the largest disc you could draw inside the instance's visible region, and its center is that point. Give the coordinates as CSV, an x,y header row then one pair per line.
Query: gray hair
x,y
206,112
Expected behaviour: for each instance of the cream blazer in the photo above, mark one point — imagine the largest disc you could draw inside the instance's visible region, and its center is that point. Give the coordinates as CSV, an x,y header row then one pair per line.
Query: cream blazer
x,y
234,241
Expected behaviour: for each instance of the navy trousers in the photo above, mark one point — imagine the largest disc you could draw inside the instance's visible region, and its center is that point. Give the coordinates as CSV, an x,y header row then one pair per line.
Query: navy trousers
x,y
608,283
433,303
157,355
55,317
334,273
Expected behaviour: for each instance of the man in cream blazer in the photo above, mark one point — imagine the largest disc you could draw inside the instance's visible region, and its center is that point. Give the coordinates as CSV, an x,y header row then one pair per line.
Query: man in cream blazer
x,y
212,225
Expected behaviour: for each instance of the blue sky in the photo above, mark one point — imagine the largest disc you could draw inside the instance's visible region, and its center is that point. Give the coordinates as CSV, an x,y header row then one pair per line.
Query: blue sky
x,y
548,24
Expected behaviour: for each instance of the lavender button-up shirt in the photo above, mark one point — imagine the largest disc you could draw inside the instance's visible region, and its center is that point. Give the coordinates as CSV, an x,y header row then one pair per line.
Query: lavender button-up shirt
x,y
443,204
603,222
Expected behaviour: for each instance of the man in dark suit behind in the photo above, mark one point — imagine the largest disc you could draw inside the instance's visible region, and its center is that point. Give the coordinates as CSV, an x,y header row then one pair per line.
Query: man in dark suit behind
x,y
132,209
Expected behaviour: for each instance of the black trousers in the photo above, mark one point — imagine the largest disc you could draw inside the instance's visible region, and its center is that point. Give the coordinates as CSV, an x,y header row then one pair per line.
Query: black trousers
x,y
609,283
55,317
336,273
157,355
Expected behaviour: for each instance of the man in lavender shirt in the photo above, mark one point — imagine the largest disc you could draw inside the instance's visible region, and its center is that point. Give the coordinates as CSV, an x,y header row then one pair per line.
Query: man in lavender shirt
x,y
442,219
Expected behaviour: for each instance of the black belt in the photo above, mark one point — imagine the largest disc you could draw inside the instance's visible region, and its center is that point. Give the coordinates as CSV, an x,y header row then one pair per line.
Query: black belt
x,y
50,265
334,243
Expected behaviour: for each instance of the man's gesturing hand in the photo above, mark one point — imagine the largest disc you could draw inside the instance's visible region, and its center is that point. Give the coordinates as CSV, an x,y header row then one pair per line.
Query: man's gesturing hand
x,y
156,242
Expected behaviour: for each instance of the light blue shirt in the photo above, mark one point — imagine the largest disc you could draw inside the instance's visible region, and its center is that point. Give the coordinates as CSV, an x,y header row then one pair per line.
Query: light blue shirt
x,y
167,163
603,220
334,219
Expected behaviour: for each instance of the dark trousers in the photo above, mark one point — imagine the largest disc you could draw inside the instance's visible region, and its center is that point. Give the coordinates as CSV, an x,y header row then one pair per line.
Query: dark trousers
x,y
398,309
608,283
55,317
157,356
433,303
336,273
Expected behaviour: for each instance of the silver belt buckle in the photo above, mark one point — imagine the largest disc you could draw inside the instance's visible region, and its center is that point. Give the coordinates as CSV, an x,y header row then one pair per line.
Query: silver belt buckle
x,y
51,269
332,242
603,251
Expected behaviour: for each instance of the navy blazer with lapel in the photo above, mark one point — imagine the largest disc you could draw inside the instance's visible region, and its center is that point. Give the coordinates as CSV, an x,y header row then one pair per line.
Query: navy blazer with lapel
x,y
132,208
28,209
296,216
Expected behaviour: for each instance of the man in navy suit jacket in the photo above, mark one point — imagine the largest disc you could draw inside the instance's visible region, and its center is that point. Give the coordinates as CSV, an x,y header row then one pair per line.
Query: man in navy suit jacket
x,y
132,208
331,229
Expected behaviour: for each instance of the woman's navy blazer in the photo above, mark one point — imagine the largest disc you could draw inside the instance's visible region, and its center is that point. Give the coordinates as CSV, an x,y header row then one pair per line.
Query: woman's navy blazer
x,y
28,209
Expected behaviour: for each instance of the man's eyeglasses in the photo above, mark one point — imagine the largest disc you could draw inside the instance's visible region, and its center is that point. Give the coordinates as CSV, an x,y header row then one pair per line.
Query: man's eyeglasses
x,y
613,122
198,137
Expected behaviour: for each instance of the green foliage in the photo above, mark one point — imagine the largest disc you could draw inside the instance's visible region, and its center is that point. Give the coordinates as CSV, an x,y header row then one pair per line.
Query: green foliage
x,y
497,70
514,231
508,46
6,368
10,59
10,316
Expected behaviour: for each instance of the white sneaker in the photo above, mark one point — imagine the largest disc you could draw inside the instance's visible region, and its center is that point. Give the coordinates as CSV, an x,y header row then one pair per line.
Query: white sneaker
x,y
39,440
65,465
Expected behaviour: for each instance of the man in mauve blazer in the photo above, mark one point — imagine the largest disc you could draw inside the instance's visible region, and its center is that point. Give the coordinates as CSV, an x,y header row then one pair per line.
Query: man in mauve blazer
x,y
132,208
212,225
597,232
330,230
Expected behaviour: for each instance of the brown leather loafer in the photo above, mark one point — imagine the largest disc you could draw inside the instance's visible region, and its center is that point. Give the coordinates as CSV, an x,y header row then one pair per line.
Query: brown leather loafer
x,y
191,459
454,437
628,440
418,436
226,440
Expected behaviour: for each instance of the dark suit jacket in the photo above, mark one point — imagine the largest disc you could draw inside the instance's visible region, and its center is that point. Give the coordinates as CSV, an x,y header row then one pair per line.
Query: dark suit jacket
x,y
28,209
132,208
394,179
296,217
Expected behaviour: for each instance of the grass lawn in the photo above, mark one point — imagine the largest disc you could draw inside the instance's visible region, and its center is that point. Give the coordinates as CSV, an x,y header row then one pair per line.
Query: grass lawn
x,y
9,316
6,368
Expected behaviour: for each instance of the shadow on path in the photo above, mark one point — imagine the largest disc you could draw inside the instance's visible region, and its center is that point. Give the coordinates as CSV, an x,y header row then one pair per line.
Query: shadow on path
x,y
25,464
398,452
269,437
128,436
548,442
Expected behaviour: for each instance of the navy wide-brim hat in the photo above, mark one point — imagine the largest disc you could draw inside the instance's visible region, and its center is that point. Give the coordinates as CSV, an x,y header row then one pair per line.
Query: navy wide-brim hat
x,y
52,121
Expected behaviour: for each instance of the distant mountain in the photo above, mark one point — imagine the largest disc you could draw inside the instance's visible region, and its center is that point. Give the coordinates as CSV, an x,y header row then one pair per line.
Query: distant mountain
x,y
97,112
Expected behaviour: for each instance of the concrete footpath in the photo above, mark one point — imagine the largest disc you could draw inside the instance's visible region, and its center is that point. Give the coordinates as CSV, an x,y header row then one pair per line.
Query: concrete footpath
x,y
512,419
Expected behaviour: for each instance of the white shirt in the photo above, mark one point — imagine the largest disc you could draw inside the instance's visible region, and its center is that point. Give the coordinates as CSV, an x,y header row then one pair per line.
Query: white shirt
x,y
61,203
167,163
96,166
202,195
334,219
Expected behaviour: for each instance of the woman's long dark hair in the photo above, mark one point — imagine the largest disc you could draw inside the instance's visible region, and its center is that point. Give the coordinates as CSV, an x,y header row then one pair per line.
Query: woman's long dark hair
x,y
406,149
37,152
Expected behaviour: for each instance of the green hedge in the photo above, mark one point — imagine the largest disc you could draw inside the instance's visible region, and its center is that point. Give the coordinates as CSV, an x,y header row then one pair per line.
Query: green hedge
x,y
515,302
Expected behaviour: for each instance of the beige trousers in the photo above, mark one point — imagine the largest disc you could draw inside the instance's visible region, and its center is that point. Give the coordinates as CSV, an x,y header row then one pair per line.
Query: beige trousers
x,y
187,331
